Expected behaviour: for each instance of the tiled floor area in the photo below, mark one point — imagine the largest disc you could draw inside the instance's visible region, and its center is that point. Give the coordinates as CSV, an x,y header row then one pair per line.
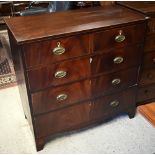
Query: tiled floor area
x,y
121,135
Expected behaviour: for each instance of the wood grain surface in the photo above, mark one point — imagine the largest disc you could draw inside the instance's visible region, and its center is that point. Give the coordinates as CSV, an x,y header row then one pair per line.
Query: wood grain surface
x,y
69,22
148,111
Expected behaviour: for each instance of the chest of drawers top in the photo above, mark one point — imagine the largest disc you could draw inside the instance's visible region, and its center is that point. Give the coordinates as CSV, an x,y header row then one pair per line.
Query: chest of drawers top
x,y
62,24
146,7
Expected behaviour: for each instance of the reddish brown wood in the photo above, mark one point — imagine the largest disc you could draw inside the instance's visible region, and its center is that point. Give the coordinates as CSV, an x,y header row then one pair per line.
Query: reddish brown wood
x,y
148,112
75,70
62,23
85,34
132,56
146,7
149,43
62,119
103,84
147,77
46,100
42,53
146,94
149,60
104,40
40,142
102,105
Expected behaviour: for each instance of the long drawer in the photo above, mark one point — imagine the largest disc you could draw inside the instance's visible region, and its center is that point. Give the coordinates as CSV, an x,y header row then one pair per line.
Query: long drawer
x,y
47,52
63,119
55,98
118,37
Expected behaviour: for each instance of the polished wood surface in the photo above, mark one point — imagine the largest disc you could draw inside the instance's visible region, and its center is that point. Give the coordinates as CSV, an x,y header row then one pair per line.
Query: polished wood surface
x,y
41,53
103,84
104,40
45,101
76,69
148,111
147,73
62,119
149,43
100,58
149,60
147,77
146,94
104,62
102,106
61,24
146,7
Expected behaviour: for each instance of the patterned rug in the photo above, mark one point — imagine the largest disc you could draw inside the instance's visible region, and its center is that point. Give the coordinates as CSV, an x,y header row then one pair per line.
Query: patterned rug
x,y
7,74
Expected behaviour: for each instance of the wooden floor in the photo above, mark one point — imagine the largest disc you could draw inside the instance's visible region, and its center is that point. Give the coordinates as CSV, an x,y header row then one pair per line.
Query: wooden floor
x,y
148,111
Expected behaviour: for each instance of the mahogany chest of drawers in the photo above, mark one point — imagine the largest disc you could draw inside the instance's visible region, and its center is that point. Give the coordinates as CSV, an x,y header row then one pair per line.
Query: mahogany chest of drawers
x,y
77,68
146,91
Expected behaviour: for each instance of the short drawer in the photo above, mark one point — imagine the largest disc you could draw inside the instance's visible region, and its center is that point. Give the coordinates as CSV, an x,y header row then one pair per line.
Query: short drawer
x,y
117,59
47,52
114,82
147,77
149,60
149,43
58,74
118,37
62,120
145,94
55,98
112,104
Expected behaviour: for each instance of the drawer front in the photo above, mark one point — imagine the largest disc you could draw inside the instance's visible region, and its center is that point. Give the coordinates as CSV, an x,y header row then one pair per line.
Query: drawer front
x,y
62,120
116,59
58,74
55,98
115,81
118,37
146,93
112,104
149,43
149,60
147,77
51,51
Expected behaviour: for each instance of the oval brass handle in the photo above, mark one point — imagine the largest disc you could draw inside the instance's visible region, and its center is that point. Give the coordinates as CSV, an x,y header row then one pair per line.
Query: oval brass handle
x,y
120,37
59,49
118,60
114,103
115,81
62,97
60,74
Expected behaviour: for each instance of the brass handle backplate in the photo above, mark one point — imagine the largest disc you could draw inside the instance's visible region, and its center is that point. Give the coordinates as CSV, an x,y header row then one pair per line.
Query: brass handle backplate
x,y
60,74
115,81
118,60
114,103
62,97
59,49
120,37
